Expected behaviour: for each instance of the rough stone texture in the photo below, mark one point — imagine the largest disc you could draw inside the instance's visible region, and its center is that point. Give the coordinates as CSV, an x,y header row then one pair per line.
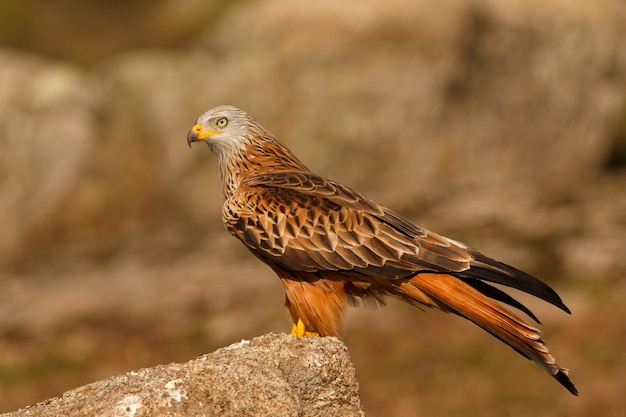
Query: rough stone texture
x,y
272,375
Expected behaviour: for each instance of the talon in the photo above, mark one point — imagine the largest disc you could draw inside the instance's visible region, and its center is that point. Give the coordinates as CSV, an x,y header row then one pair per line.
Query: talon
x,y
299,330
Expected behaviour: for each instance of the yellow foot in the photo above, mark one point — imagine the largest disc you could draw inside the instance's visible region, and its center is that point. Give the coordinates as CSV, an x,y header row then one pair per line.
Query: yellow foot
x,y
299,330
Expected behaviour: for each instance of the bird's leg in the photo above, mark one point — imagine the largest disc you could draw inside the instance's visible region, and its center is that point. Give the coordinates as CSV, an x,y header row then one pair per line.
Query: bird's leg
x,y
299,329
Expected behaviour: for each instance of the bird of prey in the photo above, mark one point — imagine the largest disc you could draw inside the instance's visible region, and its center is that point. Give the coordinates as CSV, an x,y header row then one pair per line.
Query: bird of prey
x,y
330,245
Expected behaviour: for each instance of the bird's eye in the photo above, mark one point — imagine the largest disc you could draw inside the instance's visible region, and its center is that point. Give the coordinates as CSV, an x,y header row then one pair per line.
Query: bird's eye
x,y
221,122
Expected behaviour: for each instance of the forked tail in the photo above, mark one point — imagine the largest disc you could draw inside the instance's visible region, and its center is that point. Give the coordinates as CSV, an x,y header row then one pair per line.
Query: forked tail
x,y
453,294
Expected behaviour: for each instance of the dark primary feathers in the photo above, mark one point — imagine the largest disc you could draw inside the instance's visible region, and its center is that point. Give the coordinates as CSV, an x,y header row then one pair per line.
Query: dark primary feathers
x,y
329,243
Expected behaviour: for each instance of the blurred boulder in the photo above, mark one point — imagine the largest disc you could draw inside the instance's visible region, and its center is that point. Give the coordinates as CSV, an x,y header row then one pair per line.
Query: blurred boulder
x,y
47,130
408,94
427,98
271,375
414,104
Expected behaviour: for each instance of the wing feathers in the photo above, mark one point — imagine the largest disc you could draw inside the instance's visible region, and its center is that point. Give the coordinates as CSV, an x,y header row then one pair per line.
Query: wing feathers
x,y
321,215
488,269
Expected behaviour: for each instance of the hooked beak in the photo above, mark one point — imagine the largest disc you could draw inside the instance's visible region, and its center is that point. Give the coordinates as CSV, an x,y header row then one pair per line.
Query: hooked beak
x,y
197,133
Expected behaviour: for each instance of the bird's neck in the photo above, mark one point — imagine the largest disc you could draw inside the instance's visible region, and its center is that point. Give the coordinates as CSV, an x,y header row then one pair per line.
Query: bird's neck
x,y
253,159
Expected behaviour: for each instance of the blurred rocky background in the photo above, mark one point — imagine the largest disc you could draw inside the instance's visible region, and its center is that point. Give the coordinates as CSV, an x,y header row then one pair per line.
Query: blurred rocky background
x,y
501,124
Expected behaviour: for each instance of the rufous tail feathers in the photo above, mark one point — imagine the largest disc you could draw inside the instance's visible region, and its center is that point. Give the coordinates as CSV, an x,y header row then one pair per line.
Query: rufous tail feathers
x,y
452,294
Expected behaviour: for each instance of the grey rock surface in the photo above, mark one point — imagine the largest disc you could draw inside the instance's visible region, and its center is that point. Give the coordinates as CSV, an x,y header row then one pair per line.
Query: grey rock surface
x,y
271,375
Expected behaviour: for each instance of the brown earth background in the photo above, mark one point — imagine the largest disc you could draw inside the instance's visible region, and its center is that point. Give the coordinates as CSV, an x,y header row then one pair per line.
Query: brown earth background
x,y
501,124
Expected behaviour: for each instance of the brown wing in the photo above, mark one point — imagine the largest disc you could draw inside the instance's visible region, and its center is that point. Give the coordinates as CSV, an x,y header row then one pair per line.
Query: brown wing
x,y
307,223
304,222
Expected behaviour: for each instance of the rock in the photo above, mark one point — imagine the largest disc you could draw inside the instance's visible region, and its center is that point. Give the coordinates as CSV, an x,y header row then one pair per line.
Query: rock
x,y
47,132
271,375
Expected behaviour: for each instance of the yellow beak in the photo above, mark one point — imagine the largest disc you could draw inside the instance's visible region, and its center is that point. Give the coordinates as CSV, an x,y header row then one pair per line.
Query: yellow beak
x,y
197,134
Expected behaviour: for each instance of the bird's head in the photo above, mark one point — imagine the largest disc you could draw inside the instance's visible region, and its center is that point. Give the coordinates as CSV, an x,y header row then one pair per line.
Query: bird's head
x,y
225,129
233,134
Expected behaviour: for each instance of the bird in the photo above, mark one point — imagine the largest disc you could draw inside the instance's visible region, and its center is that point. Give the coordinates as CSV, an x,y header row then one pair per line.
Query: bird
x,y
332,246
